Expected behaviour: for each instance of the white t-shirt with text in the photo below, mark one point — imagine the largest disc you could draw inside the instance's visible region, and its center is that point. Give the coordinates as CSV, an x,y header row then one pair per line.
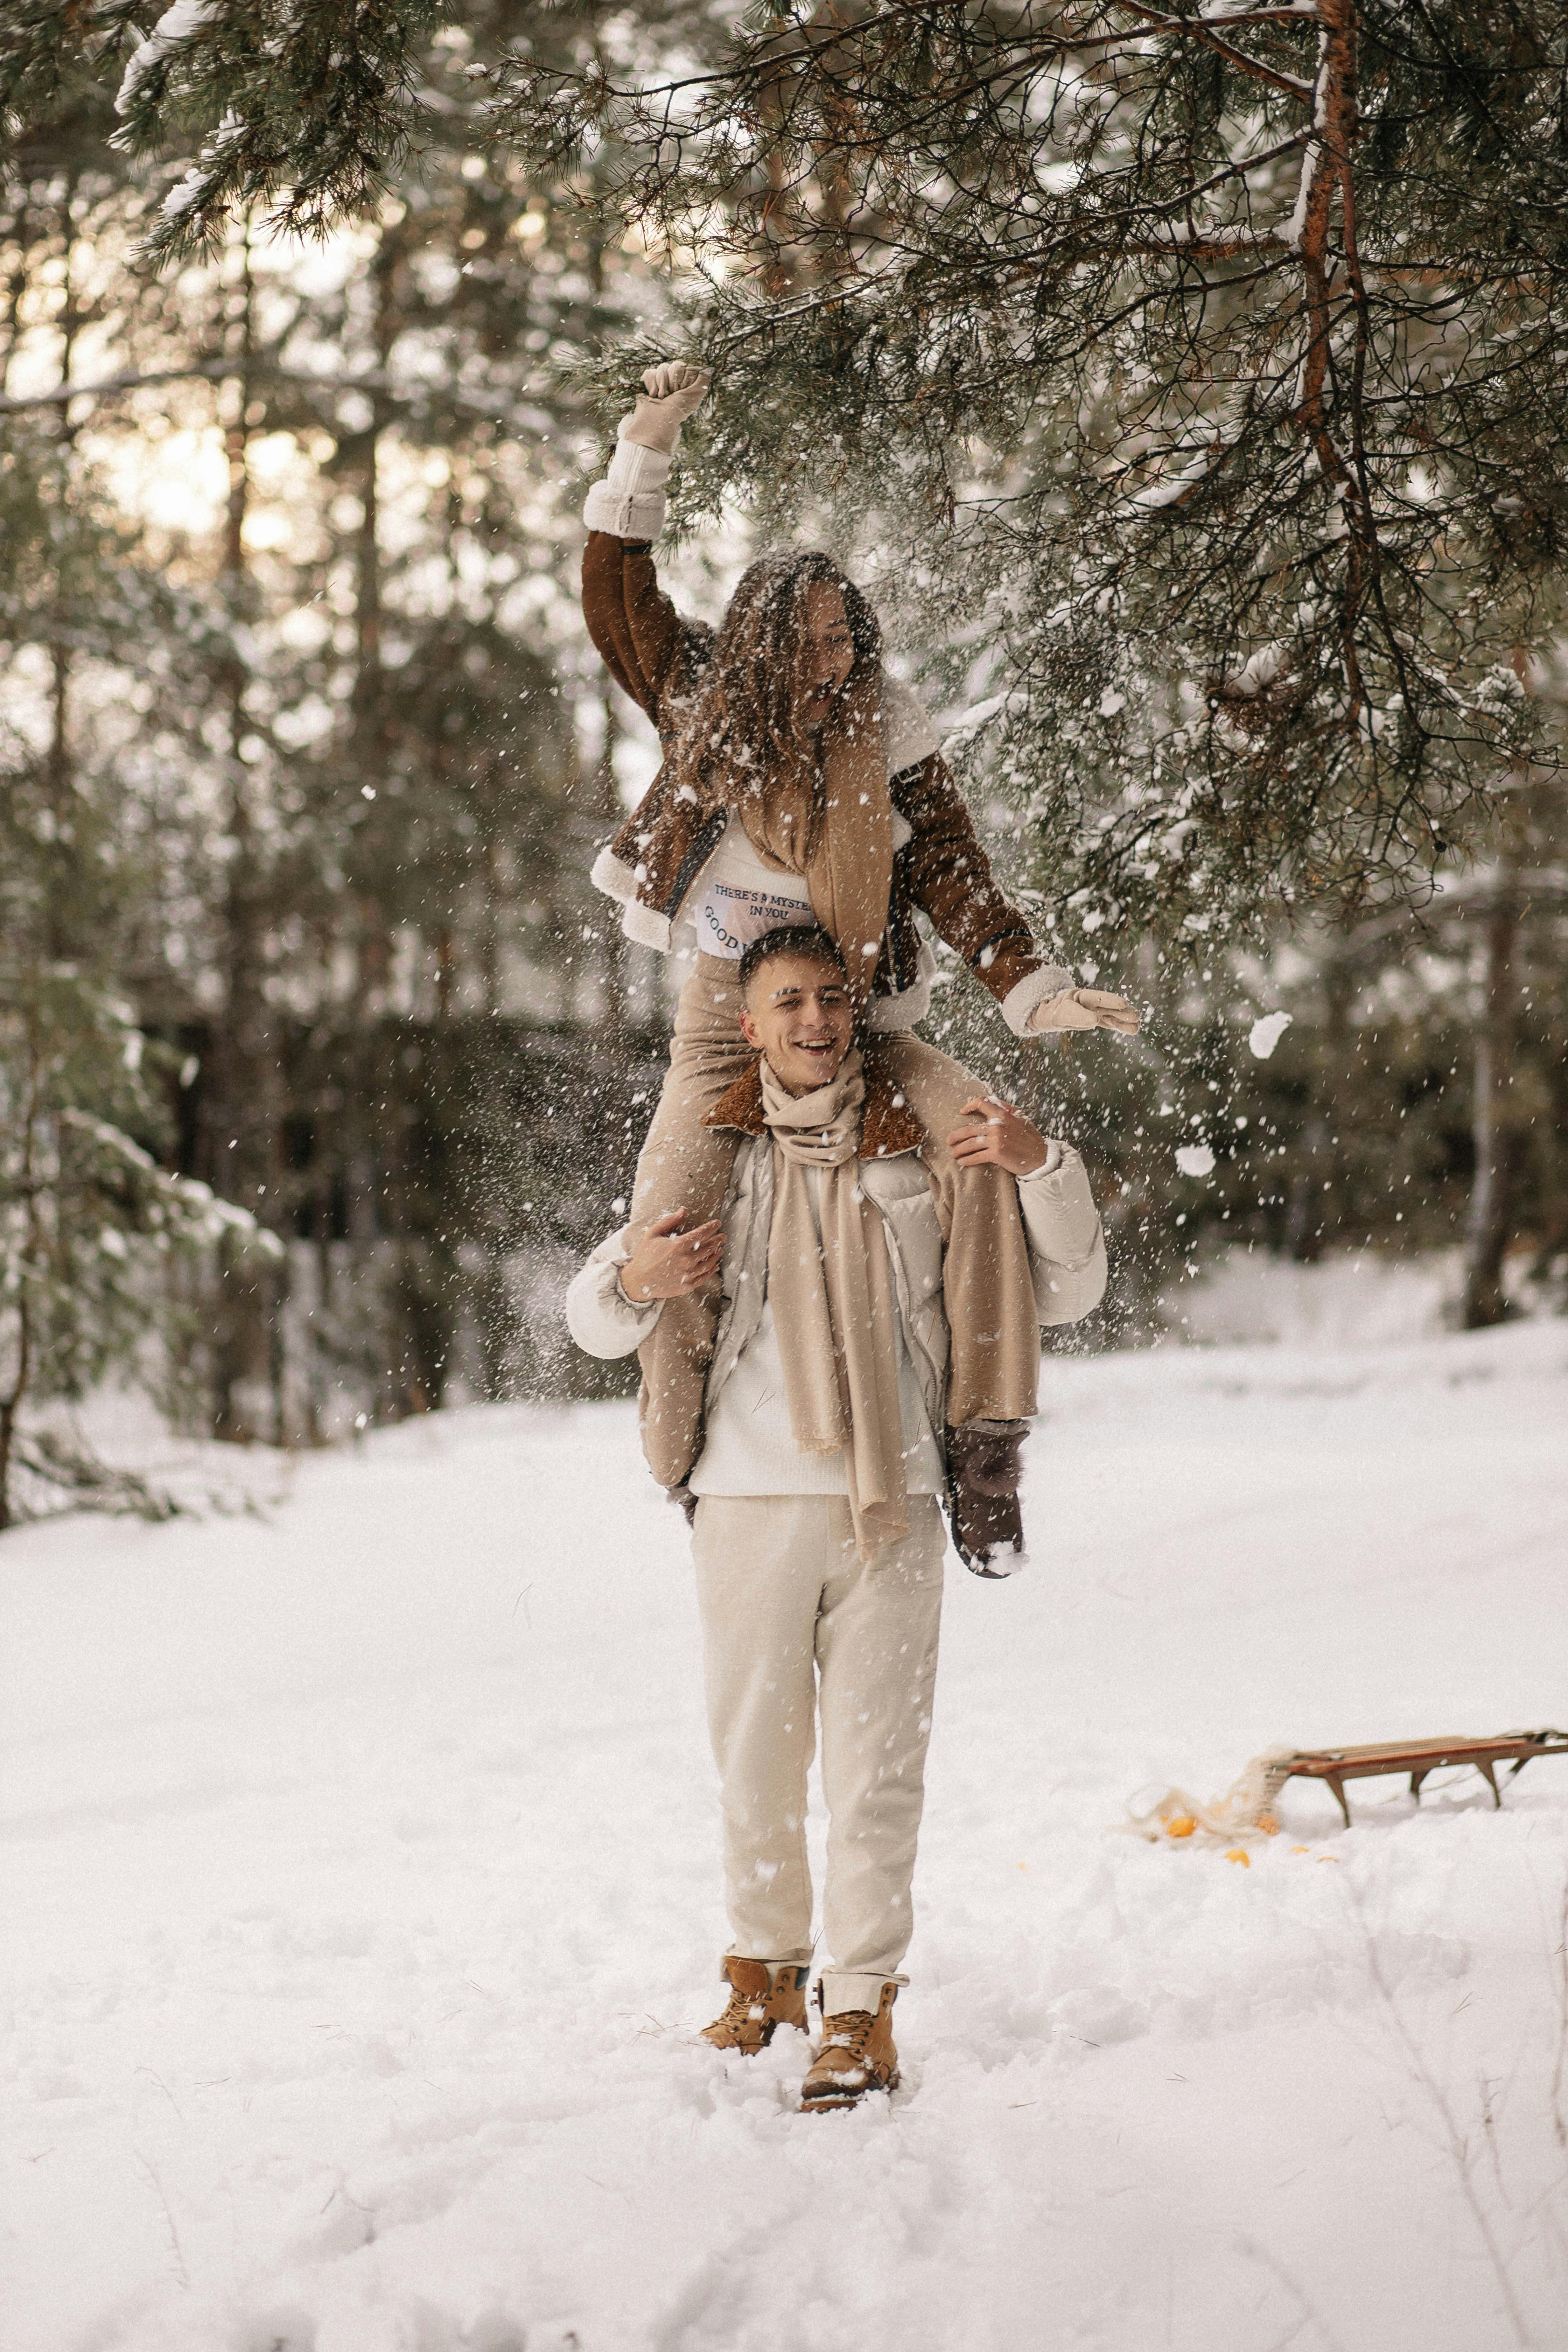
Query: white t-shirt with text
x,y
740,898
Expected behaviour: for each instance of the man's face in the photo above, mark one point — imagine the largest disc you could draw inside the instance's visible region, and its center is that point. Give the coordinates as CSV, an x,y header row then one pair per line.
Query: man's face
x,y
829,650
798,1013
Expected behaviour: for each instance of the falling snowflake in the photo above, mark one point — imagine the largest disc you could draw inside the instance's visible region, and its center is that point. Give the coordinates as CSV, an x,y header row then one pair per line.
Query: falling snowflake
x,y
1264,1034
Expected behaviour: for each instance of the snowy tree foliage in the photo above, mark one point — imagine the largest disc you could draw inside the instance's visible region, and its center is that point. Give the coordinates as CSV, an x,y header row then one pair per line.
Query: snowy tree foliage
x,y
311,753
1186,386
102,1252
1210,361
1222,351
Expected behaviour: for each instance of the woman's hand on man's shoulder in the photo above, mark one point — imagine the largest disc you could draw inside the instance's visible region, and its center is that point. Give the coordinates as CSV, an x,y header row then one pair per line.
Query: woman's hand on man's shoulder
x,y
669,1264
1001,1138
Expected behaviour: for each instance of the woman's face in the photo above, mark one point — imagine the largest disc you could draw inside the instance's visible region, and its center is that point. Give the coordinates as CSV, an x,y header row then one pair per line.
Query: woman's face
x,y
829,651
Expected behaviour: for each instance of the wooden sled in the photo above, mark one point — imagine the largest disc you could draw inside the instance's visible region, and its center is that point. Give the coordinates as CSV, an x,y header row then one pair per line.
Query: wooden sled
x,y
1419,1757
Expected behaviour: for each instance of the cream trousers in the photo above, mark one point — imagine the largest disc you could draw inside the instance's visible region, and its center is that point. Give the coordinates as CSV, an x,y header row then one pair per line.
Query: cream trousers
x,y
795,1624
987,1288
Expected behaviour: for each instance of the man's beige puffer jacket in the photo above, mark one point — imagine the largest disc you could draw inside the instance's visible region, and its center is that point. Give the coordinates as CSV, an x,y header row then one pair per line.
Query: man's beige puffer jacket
x,y
1067,1255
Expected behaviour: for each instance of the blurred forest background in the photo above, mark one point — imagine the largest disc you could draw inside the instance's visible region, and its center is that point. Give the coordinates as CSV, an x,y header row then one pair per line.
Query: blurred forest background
x,y
319,1061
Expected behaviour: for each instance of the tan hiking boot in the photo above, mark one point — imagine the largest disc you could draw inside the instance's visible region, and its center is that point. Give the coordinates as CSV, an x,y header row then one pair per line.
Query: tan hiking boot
x,y
857,2056
758,2004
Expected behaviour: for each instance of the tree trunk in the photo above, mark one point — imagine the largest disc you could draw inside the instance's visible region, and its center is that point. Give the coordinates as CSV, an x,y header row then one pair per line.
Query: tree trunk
x,y
1304,1204
242,1121
11,1405
360,1159
608,810
1495,1124
59,766
1312,1210
7,1432
604,795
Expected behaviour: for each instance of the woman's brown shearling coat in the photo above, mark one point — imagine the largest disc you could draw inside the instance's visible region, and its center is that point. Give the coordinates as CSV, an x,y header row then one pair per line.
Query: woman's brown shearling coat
x,y
941,869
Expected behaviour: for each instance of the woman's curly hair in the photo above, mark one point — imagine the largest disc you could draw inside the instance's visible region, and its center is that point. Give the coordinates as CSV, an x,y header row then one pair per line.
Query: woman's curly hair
x,y
738,730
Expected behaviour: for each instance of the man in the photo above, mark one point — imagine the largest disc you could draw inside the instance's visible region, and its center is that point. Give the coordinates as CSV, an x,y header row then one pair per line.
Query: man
x,y
817,1535
803,784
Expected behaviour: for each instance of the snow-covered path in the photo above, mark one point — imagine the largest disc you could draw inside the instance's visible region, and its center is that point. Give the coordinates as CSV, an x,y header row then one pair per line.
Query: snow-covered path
x,y
359,1876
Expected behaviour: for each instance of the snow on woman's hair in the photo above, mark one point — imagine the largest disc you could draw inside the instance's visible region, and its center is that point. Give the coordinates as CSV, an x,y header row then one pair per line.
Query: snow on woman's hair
x,y
740,728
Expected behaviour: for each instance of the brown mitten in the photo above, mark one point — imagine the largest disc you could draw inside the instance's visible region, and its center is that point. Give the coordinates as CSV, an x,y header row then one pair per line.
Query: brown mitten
x,y
983,1496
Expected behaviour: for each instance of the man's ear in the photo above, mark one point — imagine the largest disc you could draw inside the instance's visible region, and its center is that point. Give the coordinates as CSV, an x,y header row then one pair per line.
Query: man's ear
x,y
749,1031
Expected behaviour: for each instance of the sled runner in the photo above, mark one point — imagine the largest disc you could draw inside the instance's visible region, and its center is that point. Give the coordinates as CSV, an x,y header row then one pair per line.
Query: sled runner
x,y
1419,1757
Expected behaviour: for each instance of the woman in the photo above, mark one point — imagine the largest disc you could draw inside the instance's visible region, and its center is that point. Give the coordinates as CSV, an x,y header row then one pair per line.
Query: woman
x,y
801,783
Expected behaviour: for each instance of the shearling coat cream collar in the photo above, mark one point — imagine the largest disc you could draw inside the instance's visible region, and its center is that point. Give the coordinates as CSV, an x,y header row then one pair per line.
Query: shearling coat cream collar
x,y
888,1125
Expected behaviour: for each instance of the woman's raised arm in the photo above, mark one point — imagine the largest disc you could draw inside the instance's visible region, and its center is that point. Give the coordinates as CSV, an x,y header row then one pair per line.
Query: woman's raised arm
x,y
632,622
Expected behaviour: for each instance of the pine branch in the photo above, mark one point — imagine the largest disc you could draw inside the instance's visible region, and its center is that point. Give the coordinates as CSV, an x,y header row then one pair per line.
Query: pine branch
x,y
69,1478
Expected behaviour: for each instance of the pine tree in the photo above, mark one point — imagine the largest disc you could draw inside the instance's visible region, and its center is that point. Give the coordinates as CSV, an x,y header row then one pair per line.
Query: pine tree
x,y
1220,369
1217,370
374,803
93,1234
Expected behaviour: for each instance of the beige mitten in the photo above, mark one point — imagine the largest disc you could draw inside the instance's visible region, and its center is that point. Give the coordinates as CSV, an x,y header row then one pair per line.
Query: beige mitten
x,y
673,392
1084,1008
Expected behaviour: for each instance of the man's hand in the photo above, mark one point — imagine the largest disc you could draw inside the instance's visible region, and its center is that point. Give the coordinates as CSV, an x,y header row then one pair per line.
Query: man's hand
x,y
1085,1008
1005,1140
668,1263
673,392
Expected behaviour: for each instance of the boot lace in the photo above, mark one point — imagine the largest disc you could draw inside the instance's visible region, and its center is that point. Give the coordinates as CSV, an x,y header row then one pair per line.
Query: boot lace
x,y
850,2032
744,2009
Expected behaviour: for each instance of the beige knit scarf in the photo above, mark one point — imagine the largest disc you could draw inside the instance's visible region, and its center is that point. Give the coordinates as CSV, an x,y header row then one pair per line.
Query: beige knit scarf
x,y
836,829
833,1301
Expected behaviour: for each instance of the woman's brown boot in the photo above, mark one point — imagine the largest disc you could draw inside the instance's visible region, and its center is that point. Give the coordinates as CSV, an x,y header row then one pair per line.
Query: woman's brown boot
x,y
857,2056
983,1468
760,2000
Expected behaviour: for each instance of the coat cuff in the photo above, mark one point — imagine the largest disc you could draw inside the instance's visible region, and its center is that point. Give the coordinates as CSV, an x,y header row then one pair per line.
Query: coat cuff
x,y
600,1317
906,1006
630,502
1066,1241
623,514
611,875
642,924
1059,1214
633,467
1046,980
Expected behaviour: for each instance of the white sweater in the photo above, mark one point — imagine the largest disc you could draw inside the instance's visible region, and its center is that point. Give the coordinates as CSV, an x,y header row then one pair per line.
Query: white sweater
x,y
750,1446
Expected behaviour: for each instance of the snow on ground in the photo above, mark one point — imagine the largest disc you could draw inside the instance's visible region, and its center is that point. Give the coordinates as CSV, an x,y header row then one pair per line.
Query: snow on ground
x,y
1350,1299
362,1896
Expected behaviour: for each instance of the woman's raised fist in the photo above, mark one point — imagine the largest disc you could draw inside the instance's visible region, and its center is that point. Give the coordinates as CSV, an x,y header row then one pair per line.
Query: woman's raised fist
x,y
673,391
